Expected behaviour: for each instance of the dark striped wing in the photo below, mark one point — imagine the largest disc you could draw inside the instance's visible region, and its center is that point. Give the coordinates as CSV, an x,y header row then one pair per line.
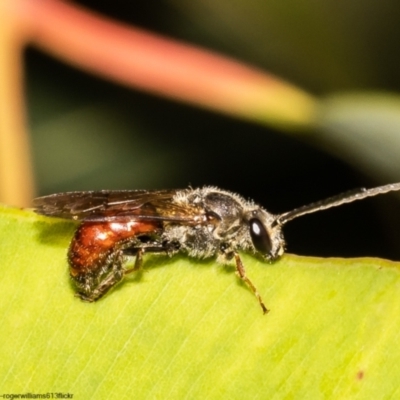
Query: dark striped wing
x,y
118,205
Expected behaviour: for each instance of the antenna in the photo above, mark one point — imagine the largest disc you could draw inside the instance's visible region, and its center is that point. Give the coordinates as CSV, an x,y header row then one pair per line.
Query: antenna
x,y
334,201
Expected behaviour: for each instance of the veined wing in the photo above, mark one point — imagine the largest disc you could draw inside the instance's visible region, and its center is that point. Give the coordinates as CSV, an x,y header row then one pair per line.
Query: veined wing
x,y
118,205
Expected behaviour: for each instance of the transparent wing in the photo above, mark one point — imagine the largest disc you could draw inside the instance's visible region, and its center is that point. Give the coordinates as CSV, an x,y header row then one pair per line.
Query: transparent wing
x,y
117,205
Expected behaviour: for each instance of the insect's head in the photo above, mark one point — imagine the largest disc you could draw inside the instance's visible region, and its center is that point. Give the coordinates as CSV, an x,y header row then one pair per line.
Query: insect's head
x,y
266,229
266,234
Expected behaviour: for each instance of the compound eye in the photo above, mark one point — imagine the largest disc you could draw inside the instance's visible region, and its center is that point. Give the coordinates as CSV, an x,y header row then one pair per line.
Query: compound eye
x,y
260,237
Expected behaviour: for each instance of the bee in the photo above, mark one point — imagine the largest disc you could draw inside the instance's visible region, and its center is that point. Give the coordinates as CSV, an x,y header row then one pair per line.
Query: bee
x,y
199,222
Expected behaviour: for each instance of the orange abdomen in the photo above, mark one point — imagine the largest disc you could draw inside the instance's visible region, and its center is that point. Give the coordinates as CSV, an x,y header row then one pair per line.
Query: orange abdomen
x,y
95,242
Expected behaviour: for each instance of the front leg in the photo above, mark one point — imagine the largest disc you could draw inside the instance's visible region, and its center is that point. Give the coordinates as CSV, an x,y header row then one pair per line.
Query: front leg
x,y
241,272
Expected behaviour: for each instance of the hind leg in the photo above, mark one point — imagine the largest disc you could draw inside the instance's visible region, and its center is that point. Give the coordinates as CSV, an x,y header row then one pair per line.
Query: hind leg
x,y
92,287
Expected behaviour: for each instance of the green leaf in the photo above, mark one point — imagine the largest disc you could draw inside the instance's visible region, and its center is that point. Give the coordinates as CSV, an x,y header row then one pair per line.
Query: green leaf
x,y
189,329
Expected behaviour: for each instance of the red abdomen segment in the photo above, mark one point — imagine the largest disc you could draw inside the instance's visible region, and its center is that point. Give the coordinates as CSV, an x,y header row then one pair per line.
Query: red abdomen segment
x,y
95,243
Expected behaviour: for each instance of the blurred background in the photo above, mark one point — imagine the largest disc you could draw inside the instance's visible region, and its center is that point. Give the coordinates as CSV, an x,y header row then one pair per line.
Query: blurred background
x,y
89,133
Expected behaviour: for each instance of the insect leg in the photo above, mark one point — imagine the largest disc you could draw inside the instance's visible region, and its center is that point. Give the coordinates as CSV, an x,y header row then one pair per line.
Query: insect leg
x,y
242,274
117,273
114,276
138,253
138,262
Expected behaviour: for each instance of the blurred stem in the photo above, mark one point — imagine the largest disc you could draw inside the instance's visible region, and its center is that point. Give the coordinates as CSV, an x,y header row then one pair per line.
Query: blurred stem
x,y
16,177
143,60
